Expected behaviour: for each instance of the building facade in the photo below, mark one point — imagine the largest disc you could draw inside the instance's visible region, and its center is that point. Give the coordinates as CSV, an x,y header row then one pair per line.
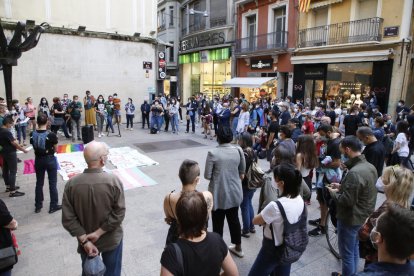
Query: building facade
x,y
205,47
347,49
93,45
266,30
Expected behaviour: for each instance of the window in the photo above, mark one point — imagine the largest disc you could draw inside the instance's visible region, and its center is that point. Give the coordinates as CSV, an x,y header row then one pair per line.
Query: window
x,y
184,20
161,17
251,32
367,9
279,27
321,17
218,13
171,52
197,20
171,16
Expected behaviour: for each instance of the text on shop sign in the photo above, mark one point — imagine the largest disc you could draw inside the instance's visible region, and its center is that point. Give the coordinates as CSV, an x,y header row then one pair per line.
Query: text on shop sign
x,y
203,40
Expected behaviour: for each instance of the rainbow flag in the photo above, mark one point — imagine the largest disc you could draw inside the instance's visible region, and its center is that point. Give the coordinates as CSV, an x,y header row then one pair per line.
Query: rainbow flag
x,y
133,178
69,148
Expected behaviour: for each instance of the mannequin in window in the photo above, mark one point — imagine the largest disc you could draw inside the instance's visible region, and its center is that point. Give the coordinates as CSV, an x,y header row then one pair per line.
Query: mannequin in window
x,y
350,100
358,100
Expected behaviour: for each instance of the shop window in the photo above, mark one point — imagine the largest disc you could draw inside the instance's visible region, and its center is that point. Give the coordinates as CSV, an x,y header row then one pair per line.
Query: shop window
x,y
218,13
348,83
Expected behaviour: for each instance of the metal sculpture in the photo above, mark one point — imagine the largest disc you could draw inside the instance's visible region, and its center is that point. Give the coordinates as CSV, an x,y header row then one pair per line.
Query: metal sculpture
x,y
11,51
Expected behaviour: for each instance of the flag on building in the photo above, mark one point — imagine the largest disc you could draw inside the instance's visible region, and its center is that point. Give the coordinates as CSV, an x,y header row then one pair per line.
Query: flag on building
x,y
304,5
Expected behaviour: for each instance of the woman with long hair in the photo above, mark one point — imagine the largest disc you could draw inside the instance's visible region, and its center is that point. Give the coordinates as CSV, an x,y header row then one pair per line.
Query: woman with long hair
x,y
306,160
398,185
44,107
207,119
202,253
246,206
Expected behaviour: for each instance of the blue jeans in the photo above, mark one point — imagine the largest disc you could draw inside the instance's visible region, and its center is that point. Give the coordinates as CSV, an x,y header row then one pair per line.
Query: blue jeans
x,y
192,119
43,164
348,244
247,211
21,133
109,123
266,261
174,122
6,273
156,122
112,260
234,127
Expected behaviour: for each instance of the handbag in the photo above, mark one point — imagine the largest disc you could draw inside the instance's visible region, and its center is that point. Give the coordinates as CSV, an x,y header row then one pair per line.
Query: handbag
x,y
187,117
8,255
255,175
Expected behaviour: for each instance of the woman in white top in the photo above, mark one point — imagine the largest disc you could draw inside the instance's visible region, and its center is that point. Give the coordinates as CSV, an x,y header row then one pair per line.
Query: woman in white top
x,y
401,145
244,119
288,180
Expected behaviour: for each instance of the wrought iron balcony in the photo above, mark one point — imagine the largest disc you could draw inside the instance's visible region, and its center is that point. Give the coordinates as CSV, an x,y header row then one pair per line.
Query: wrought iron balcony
x,y
269,41
341,33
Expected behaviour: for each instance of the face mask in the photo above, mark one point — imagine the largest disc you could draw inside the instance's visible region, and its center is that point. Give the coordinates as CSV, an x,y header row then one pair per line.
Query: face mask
x,y
250,106
279,136
268,118
65,98
371,101
115,97
129,101
100,99
257,129
295,110
399,104
318,100
17,105
156,104
365,114
389,122
43,102
307,100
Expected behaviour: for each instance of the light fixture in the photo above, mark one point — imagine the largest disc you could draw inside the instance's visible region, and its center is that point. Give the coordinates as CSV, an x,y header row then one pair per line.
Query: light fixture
x,y
193,12
137,34
81,28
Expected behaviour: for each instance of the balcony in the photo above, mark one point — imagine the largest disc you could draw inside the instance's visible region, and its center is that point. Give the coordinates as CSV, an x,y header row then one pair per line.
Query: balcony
x,y
342,33
219,21
260,43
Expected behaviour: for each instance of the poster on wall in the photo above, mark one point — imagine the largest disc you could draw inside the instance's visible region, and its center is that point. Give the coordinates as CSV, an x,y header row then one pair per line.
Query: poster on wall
x,y
162,64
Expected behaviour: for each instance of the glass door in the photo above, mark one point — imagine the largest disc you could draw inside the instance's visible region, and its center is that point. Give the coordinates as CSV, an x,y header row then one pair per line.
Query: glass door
x,y
313,91
251,32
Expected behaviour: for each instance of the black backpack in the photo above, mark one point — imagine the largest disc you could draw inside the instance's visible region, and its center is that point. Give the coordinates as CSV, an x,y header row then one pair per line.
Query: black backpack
x,y
295,237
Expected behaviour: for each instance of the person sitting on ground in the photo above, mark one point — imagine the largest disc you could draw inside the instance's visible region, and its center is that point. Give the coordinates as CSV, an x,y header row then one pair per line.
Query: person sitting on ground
x,y
189,174
393,236
197,252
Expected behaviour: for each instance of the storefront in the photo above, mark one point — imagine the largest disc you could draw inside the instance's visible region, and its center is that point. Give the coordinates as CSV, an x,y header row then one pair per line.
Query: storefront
x,y
345,83
254,88
205,63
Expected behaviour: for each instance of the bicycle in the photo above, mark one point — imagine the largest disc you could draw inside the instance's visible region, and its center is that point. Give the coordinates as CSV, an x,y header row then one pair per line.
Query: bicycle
x,y
332,236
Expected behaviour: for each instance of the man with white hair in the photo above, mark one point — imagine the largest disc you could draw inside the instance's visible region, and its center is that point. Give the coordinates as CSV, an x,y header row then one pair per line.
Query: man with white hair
x,y
285,114
93,208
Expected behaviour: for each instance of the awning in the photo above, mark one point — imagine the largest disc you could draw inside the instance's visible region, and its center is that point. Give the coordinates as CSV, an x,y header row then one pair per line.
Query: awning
x,y
247,82
323,3
343,57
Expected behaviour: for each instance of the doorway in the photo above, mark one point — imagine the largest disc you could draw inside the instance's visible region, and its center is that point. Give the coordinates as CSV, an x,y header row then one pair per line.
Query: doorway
x,y
313,91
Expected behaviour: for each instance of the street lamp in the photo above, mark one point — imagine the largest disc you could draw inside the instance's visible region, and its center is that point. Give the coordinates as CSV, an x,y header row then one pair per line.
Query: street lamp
x,y
204,13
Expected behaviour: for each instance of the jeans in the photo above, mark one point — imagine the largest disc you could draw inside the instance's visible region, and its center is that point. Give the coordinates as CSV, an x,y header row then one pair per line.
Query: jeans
x,y
348,244
100,119
78,125
10,169
109,123
130,120
192,119
21,132
47,164
247,209
232,215
145,117
156,122
174,122
266,261
234,127
6,273
112,260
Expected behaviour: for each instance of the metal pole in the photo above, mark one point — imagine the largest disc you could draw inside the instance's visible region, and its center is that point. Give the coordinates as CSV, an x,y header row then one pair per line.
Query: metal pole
x,y
7,73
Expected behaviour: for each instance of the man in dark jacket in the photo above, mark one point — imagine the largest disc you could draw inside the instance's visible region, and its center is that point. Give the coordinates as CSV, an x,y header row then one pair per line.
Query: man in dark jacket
x,y
355,198
145,110
374,150
294,127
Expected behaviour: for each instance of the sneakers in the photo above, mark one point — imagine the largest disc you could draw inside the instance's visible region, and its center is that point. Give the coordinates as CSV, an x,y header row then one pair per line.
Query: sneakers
x,y
54,209
131,128
318,231
16,194
315,222
38,209
232,249
15,188
99,135
252,230
245,234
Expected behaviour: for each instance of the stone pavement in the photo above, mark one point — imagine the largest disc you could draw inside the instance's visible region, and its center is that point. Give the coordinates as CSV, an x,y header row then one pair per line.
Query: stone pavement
x,y
47,249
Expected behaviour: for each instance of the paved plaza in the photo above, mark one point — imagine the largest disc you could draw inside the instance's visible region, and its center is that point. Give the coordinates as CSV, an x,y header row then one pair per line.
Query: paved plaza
x,y
47,249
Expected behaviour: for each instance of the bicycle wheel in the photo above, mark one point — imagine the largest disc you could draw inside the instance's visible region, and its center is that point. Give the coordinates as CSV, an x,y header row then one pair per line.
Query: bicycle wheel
x,y
331,237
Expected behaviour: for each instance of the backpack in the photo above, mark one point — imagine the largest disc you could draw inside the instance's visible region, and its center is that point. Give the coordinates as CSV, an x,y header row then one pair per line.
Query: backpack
x,y
39,141
295,237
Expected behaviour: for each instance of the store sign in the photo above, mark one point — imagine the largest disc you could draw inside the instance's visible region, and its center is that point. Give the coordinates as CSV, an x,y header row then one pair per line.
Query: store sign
x,y
261,64
202,40
147,65
391,31
314,73
162,65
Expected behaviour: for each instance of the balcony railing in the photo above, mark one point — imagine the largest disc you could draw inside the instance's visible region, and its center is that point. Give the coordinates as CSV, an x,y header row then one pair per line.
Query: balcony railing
x,y
341,33
197,27
270,41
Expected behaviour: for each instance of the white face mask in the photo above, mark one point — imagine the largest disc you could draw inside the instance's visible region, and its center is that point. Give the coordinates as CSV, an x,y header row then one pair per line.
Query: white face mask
x,y
279,136
43,102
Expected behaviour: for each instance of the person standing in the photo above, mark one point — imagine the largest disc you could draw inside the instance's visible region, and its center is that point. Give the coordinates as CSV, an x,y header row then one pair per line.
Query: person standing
x,y
30,112
75,110
58,117
44,107
156,111
93,208
272,133
65,102
174,109
401,148
145,110
355,199
8,146
352,121
374,150
110,111
100,114
117,109
44,144
130,109
191,112
88,103
225,168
